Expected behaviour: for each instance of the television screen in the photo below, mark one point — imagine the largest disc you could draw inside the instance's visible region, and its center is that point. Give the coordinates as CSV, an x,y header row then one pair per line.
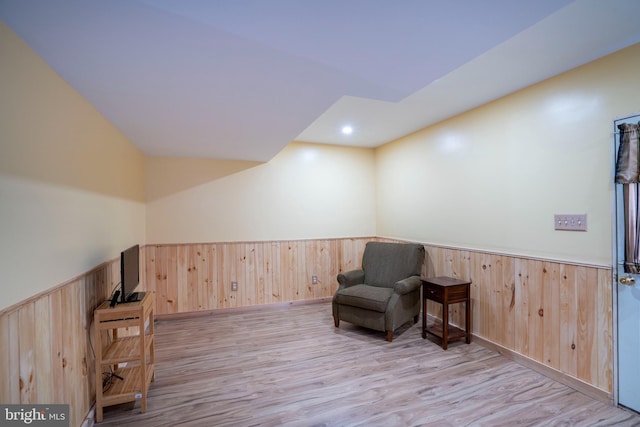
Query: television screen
x,y
129,272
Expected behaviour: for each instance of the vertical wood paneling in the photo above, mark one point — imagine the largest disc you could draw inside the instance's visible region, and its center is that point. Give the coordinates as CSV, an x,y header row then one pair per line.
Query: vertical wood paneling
x,y
196,277
193,278
508,281
14,358
287,257
254,274
522,307
212,283
57,346
327,265
309,267
482,280
604,329
551,279
240,264
43,360
171,255
568,320
205,285
182,278
154,275
71,371
258,273
224,277
27,346
536,288
587,318
5,359
266,266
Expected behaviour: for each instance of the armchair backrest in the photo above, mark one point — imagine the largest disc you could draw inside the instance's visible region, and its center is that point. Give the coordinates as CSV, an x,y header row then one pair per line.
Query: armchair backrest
x,y
386,263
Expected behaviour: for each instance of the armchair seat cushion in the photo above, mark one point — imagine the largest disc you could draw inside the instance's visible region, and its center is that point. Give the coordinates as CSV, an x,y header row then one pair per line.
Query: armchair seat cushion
x,y
368,297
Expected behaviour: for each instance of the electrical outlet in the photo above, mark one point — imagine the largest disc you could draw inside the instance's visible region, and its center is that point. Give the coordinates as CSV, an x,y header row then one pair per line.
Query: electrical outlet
x,y
314,280
234,286
570,222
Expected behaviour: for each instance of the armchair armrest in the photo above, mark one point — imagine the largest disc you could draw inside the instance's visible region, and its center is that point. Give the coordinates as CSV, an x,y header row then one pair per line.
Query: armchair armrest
x,y
407,285
350,278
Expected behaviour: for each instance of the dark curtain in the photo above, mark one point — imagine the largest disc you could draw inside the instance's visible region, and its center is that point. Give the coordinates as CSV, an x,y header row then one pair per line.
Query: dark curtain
x,y
628,174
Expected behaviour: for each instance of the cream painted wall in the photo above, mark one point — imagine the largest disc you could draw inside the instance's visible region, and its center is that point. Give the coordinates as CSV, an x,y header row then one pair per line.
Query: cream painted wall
x,y
71,185
493,178
306,191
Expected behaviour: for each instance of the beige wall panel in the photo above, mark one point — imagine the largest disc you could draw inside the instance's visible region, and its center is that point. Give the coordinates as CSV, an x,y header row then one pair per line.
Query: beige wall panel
x,y
492,178
165,176
50,133
71,184
307,191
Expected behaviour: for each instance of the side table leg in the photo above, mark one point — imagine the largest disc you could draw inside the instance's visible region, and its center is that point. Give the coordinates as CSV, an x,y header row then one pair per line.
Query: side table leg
x,y
445,323
467,321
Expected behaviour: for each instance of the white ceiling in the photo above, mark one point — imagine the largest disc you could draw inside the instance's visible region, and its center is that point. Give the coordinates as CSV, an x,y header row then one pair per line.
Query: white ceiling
x,y
240,79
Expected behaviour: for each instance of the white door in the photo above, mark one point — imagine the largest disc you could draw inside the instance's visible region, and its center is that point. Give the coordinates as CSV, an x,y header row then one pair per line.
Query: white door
x,y
628,308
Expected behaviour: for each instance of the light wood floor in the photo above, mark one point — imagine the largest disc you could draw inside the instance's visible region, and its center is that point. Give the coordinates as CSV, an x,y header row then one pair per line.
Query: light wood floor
x,y
291,367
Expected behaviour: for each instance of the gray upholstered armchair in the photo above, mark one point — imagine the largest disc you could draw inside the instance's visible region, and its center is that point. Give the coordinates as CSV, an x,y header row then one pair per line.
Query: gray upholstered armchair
x,y
385,293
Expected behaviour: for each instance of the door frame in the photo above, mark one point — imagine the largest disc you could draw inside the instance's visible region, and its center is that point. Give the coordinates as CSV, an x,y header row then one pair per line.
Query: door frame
x,y
614,245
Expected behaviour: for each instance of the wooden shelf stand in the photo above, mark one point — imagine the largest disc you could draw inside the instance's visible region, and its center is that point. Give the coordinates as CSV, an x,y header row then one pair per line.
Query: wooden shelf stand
x,y
130,358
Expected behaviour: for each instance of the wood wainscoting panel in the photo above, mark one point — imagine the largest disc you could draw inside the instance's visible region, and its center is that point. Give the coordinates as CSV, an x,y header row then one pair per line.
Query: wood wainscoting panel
x,y
557,314
46,353
197,277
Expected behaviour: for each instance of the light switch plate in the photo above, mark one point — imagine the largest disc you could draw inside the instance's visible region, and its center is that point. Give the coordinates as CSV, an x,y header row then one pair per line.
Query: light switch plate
x,y
570,222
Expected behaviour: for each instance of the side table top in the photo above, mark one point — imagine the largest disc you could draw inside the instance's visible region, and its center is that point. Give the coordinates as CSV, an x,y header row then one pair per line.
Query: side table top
x,y
446,281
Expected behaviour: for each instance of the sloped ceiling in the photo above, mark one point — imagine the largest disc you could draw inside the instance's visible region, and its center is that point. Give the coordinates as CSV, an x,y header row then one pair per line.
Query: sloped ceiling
x,y
240,79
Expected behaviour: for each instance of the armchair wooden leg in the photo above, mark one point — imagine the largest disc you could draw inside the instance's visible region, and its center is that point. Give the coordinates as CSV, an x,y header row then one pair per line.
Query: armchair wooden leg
x,y
336,321
415,318
389,336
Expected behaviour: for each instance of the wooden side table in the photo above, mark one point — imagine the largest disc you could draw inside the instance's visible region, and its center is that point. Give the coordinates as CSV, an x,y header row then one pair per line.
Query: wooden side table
x,y
446,290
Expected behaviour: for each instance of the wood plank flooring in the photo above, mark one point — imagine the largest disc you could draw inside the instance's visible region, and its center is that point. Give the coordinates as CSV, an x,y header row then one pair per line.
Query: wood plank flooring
x,y
289,366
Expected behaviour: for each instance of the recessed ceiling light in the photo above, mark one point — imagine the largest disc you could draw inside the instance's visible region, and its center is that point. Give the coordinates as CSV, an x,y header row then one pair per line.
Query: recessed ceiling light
x,y
347,130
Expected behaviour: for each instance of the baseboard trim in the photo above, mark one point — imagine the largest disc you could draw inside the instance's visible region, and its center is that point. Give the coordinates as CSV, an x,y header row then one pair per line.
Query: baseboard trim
x,y
554,374
250,308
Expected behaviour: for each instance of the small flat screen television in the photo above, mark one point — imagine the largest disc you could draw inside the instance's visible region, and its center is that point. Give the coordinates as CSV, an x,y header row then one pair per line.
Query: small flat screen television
x,y
130,274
